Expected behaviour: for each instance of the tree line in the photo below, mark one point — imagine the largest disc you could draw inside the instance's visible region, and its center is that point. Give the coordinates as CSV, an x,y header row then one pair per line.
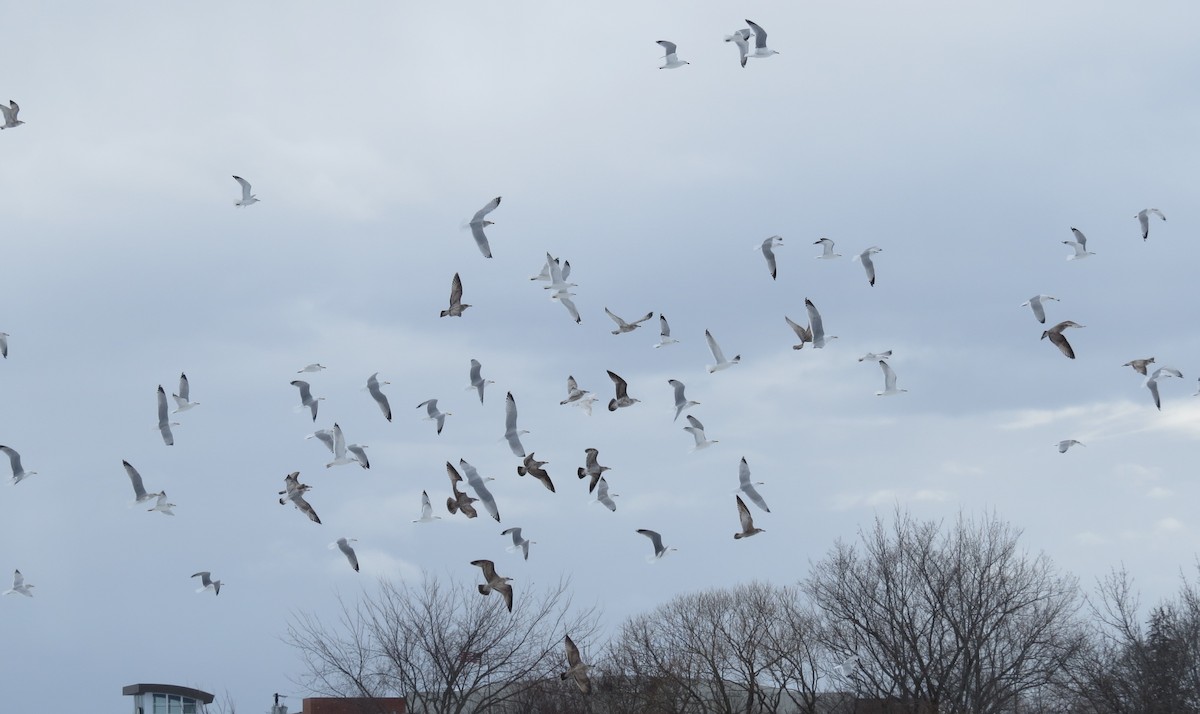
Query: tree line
x,y
914,617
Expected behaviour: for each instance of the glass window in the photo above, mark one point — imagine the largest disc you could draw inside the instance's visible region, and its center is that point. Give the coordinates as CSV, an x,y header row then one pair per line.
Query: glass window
x,y
175,704
160,704
189,706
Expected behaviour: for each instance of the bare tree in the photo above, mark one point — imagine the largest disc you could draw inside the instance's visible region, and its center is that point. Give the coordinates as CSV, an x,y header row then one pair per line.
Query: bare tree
x,y
443,647
958,620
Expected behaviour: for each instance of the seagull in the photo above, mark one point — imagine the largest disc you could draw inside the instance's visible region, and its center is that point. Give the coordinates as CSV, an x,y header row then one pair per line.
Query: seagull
x,y
697,431
164,426
768,251
826,249
19,586
1152,382
510,426
719,356
247,197
475,481
875,356
19,473
889,381
427,510
10,115
760,42
847,667
565,299
741,38
574,393
359,452
181,399
659,549
431,409
1079,244
868,265
672,60
1056,336
603,496
533,467
207,583
623,326
456,304
815,326
458,501
378,395
494,582
747,521
1068,443
343,544
1139,365
477,225
556,275
1035,304
518,541
306,397
622,399
336,444
664,333
477,380
1143,217
162,506
591,468
746,487
4,345
294,492
314,367
139,491
576,669
681,402
803,333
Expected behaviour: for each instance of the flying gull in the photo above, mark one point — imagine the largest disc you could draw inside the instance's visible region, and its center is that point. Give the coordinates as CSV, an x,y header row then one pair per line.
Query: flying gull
x,y
378,395
664,333
343,544
1060,341
306,397
494,582
162,505
533,467
18,472
826,249
603,496
889,381
1139,365
875,356
622,388
248,198
427,510
458,501
518,543
19,585
591,468
1079,245
139,491
681,402
475,481
815,326
477,380
623,326
207,583
760,42
718,355
431,408
768,250
868,264
804,334
4,345
1143,217
182,402
656,540
697,431
672,60
164,423
511,433
456,304
565,299
1152,382
1035,303
746,520
576,669
10,115
574,393
314,367
294,492
1068,443
747,487
477,224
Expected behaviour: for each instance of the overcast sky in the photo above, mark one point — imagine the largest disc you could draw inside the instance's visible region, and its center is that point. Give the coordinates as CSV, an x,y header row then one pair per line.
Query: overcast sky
x,y
963,141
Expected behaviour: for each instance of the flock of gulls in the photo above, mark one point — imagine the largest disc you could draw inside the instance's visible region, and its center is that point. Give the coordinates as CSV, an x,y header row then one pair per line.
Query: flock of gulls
x,y
468,500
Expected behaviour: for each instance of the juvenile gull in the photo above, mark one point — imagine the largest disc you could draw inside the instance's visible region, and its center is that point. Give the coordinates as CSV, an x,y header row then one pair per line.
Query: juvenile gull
x,y
427,510
889,381
826,249
804,334
164,423
623,326
1079,245
18,472
494,582
343,544
622,398
511,433
139,491
1143,217
768,251
576,669
10,115
1139,365
248,198
207,583
868,264
306,397
533,468
760,42
458,501
664,333
697,431
431,408
378,395
456,304
672,60
477,224
475,481
741,38
294,492
1035,303
20,587
477,380
656,540
681,402
747,487
519,543
574,393
591,468
1058,339
746,520
182,399
718,355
